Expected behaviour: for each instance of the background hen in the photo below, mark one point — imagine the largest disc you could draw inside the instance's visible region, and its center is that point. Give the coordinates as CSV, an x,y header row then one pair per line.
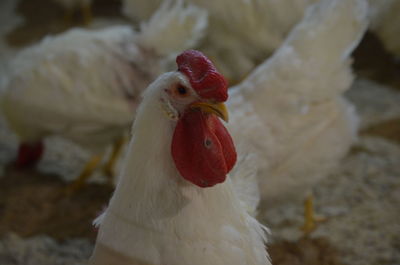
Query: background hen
x,y
49,90
290,109
240,31
250,30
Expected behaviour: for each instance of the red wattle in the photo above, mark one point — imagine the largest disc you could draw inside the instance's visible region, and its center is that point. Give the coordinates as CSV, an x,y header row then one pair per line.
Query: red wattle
x,y
29,154
202,149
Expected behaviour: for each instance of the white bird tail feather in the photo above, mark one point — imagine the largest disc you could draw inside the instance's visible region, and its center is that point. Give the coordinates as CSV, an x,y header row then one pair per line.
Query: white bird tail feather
x,y
314,60
173,27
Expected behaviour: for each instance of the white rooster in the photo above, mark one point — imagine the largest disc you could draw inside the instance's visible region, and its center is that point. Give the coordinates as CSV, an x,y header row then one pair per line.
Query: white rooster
x,y
174,203
291,108
84,84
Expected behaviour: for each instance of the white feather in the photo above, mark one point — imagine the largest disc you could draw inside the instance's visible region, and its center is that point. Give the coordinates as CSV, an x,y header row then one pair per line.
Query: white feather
x,y
173,28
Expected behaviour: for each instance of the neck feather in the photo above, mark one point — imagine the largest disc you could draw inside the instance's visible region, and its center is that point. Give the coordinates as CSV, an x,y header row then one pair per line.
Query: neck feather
x,y
149,179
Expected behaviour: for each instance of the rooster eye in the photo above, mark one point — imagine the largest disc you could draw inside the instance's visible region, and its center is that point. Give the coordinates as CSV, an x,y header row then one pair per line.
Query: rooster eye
x,y
181,90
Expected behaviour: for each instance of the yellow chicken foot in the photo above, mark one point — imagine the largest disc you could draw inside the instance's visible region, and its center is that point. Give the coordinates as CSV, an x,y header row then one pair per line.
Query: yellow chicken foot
x,y
80,182
310,219
86,10
109,166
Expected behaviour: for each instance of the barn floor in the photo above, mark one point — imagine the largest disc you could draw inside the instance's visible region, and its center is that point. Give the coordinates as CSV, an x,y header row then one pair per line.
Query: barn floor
x,y
40,225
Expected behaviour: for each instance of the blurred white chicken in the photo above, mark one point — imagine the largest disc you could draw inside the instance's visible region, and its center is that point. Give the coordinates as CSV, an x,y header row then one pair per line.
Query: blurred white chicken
x,y
244,31
247,31
71,5
84,84
174,203
291,108
385,22
250,30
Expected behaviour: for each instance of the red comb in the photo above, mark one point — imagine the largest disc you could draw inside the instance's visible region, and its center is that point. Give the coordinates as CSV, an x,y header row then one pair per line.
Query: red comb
x,y
203,76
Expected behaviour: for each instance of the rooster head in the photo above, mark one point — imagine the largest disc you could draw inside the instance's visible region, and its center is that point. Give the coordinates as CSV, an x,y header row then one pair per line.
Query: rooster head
x,y
193,97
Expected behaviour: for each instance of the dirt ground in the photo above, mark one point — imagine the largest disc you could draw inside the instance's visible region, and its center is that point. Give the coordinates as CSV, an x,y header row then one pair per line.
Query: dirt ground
x,y
33,203
304,251
43,17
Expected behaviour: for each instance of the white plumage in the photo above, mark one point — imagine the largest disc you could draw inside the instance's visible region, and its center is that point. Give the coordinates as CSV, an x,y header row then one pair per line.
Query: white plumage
x,y
85,84
156,217
291,108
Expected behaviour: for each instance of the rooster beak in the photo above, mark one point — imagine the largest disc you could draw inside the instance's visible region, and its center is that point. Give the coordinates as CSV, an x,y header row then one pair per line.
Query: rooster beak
x,y
218,109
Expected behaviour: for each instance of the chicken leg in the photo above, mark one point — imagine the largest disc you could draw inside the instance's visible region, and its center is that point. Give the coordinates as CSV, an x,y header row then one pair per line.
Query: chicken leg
x,y
310,219
86,173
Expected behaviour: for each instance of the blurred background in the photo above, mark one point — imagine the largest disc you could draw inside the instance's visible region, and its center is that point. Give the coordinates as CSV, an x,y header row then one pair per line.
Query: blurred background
x,y
360,197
